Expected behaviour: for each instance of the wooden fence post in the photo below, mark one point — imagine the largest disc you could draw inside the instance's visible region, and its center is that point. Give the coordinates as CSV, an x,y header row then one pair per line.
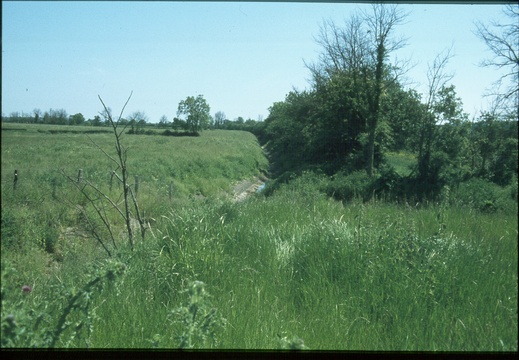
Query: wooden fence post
x,y
15,182
80,175
111,179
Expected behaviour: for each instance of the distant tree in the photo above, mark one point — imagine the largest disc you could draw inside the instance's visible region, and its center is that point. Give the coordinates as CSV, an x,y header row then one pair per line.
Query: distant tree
x,y
219,118
444,133
163,122
428,170
96,121
179,124
138,116
77,119
239,120
495,144
503,41
196,110
37,115
137,121
47,118
58,117
61,117
106,114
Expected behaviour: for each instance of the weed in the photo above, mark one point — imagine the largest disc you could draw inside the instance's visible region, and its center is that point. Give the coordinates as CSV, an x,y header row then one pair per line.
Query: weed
x,y
198,319
35,327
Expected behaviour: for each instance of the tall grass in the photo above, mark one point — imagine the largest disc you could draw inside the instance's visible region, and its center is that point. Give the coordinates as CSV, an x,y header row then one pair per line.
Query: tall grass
x,y
357,277
295,269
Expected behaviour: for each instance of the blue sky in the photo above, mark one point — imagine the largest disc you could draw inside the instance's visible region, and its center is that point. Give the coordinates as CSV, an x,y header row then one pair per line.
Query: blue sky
x,y
242,57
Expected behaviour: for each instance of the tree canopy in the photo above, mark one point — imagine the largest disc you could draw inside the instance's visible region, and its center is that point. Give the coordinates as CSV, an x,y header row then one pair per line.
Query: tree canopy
x,y
196,111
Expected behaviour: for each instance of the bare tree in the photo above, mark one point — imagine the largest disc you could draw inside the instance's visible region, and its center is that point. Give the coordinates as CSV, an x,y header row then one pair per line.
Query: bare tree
x,y
99,200
37,115
360,50
382,23
503,42
137,119
219,118
437,78
106,114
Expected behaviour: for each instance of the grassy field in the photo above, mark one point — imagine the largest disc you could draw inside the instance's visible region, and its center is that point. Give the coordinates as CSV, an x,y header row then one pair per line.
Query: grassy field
x,y
295,269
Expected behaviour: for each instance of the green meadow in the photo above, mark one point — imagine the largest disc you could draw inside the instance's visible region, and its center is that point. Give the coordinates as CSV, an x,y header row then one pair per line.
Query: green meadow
x,y
287,268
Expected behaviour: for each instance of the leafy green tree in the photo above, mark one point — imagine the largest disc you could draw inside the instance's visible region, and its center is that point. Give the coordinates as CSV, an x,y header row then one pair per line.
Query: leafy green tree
x,y
179,124
96,121
359,51
381,24
453,134
336,117
402,109
504,165
286,133
77,119
430,162
196,110
58,117
219,118
495,143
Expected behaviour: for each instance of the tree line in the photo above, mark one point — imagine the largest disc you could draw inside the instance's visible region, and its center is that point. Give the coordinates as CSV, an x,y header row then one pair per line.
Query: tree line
x,y
357,110
193,115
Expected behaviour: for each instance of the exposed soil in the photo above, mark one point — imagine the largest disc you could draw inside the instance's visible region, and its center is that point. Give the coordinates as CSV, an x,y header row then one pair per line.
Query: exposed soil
x,y
245,188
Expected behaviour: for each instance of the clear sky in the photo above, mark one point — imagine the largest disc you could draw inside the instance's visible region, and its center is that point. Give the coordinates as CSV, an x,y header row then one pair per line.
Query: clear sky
x,y
241,56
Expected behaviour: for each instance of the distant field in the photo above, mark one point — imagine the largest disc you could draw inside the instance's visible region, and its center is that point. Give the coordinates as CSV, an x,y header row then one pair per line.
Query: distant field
x,y
401,162
204,165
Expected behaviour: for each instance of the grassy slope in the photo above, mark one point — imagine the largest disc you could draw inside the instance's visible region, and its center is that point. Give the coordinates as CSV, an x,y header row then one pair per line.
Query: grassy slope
x,y
402,162
203,165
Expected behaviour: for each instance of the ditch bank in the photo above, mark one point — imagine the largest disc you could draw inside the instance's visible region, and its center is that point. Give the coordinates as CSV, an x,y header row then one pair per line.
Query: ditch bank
x,y
245,188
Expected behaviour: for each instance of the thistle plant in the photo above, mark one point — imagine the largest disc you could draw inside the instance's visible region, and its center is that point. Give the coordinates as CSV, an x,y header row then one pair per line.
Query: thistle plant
x,y
23,327
294,343
198,319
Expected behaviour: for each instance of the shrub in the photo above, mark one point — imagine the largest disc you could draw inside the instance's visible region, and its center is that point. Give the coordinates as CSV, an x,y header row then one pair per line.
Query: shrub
x,y
485,196
389,183
198,318
347,187
27,326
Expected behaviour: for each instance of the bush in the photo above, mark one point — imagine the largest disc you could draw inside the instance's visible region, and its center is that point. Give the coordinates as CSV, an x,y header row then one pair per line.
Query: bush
x,y
347,187
389,184
485,196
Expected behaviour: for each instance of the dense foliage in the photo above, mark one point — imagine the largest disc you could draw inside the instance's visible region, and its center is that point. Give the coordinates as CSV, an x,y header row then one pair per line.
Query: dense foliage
x,y
342,124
